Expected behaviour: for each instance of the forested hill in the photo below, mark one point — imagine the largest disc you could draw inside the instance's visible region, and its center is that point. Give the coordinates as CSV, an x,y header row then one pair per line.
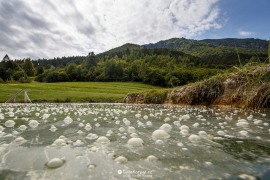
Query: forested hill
x,y
188,45
169,63
249,43
120,51
218,51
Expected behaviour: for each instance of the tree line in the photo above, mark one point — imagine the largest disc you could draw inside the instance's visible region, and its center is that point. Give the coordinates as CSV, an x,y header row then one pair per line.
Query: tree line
x,y
155,66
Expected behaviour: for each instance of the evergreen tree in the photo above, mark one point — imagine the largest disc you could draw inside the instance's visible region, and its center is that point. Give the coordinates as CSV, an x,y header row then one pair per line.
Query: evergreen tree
x,y
28,67
6,58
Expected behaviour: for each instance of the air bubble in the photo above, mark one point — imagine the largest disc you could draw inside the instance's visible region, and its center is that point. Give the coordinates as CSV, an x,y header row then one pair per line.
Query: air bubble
x,y
33,123
53,128
135,143
121,160
160,135
10,123
55,163
68,120
22,127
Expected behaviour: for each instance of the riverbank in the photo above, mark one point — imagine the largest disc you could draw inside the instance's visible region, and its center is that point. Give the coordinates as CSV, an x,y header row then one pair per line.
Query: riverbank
x,y
249,87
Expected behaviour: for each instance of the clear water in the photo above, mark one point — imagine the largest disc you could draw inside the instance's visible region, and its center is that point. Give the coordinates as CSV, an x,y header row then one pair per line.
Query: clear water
x,y
228,151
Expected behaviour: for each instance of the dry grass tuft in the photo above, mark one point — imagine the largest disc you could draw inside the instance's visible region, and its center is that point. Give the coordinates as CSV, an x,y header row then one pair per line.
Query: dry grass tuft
x,y
261,99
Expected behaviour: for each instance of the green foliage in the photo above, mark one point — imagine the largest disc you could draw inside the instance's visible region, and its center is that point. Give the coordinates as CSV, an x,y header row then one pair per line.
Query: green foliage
x,y
155,96
23,80
216,53
17,75
113,70
55,76
172,81
90,60
265,76
40,70
248,43
5,75
169,63
28,67
155,77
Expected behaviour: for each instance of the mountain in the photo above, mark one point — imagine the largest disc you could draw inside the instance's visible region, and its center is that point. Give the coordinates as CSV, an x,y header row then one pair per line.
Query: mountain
x,y
183,44
218,51
249,43
180,44
121,50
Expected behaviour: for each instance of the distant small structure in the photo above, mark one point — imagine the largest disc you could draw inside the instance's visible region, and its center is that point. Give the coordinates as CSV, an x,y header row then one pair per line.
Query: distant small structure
x,y
14,97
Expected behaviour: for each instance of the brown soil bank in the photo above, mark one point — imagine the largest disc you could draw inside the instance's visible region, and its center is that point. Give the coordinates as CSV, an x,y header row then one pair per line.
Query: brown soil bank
x,y
248,88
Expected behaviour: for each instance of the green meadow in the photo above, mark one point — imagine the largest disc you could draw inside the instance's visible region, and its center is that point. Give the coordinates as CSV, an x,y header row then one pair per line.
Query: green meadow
x,y
73,91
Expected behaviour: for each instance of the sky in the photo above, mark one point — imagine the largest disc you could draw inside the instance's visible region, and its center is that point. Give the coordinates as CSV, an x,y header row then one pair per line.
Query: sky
x,y
56,28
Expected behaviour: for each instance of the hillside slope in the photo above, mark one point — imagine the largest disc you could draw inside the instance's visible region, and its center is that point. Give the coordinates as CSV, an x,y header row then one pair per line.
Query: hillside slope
x,y
218,51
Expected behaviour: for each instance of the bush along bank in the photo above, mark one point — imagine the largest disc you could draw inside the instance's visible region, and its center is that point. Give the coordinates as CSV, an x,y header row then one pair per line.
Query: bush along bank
x,y
249,87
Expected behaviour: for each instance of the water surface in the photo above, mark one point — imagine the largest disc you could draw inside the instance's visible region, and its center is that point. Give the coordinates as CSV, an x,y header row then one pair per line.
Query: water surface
x,y
201,143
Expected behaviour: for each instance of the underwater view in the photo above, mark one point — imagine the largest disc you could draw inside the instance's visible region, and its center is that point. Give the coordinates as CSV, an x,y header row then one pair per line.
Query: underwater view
x,y
122,141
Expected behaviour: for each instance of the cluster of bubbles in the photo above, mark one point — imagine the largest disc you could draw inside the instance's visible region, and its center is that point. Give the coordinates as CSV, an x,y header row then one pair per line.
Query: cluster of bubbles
x,y
135,129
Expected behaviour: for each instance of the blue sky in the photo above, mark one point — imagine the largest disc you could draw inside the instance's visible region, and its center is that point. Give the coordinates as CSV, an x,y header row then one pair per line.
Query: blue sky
x,y
251,17
56,28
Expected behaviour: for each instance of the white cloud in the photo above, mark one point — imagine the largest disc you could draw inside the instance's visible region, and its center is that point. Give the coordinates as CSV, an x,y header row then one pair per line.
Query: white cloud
x,y
245,33
64,28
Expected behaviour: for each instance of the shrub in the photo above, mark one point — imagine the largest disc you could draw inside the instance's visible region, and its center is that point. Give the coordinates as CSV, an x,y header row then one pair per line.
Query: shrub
x,y
17,75
155,97
23,80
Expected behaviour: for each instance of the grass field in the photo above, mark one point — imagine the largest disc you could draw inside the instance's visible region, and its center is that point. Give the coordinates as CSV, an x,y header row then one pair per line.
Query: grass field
x,y
74,91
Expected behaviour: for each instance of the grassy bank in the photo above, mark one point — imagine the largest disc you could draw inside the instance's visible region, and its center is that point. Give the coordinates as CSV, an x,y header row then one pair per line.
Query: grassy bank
x,y
248,87
74,91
